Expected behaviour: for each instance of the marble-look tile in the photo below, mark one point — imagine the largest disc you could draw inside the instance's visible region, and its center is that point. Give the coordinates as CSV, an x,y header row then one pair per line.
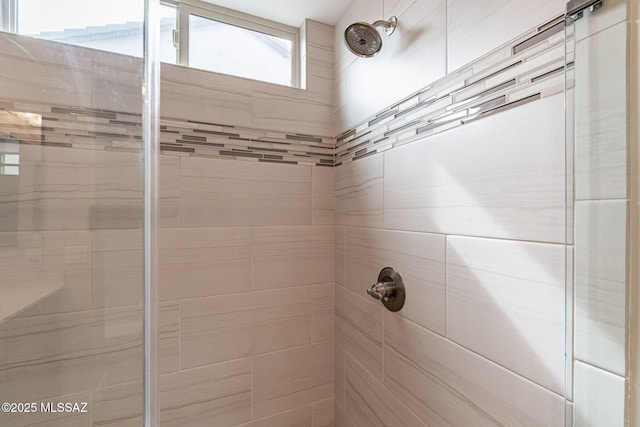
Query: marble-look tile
x,y
118,406
292,378
445,384
212,395
341,255
340,366
369,403
359,188
199,262
322,200
341,419
418,257
322,311
601,115
300,417
476,181
231,193
192,94
474,29
248,324
169,191
38,416
62,354
169,339
117,260
69,189
319,49
506,302
599,397
600,284
292,256
60,258
280,107
323,413
359,329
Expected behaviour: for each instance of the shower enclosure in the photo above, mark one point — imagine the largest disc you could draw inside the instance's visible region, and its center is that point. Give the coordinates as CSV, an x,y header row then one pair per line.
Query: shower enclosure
x,y
76,199
267,248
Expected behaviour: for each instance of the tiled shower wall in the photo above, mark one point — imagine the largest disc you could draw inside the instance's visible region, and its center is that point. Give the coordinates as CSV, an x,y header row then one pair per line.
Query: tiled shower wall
x,y
473,217
246,247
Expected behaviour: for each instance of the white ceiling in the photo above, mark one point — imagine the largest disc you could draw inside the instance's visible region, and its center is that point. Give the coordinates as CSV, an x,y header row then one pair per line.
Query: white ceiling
x,y
290,12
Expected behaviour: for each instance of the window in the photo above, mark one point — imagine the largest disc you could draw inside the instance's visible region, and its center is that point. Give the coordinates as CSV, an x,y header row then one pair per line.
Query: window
x,y
192,33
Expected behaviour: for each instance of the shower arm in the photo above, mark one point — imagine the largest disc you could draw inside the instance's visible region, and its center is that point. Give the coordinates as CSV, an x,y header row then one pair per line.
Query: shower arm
x,y
389,26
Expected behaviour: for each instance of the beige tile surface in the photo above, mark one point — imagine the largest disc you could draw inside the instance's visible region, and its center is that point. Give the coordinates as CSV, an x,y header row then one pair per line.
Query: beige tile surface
x,y
418,257
322,199
192,94
475,180
341,420
169,339
199,262
369,403
506,302
300,417
118,406
323,312
213,395
359,330
234,193
292,256
600,284
62,354
444,383
241,325
169,191
359,188
288,379
323,413
340,255
340,365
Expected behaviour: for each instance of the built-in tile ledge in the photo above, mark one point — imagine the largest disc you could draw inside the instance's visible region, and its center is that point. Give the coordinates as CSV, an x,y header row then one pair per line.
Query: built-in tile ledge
x,y
16,299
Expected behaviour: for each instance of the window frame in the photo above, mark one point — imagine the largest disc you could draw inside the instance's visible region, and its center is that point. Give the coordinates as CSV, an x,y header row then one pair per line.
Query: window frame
x,y
185,8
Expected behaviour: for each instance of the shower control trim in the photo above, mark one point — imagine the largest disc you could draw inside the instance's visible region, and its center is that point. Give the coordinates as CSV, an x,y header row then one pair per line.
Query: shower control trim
x,y
389,289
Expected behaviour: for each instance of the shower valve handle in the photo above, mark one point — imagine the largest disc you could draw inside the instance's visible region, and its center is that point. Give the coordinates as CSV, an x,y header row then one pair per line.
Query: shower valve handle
x,y
389,289
382,291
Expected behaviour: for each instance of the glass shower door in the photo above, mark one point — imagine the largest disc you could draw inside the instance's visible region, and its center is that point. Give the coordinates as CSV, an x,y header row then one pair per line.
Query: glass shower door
x,y
72,203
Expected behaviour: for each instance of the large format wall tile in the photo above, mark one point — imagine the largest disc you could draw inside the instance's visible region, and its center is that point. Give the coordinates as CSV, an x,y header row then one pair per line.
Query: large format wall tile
x,y
229,193
358,332
450,385
599,397
300,417
292,256
199,262
600,284
73,351
502,176
169,191
475,28
369,404
234,326
121,405
601,115
322,311
322,198
213,395
291,378
418,257
188,93
506,301
358,187
323,413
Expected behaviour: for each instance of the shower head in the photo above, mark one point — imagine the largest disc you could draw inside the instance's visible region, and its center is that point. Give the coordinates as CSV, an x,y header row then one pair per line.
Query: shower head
x,y
363,39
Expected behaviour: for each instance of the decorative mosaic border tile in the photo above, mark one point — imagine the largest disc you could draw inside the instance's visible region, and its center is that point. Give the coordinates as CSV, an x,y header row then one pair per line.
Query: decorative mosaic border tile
x,y
95,129
526,69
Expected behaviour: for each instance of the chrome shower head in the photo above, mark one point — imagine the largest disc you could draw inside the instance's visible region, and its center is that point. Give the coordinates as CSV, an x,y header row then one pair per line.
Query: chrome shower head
x,y
363,39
